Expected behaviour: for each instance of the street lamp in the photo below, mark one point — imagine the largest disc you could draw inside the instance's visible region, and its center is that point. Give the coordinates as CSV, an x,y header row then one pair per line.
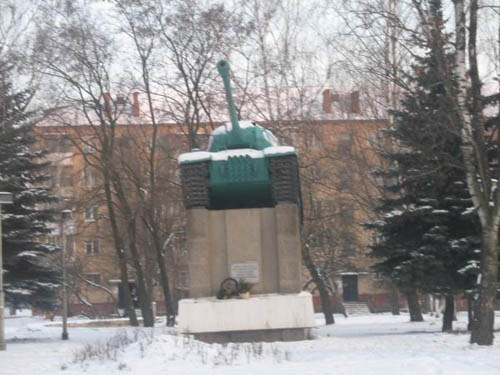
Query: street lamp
x,y
5,198
64,214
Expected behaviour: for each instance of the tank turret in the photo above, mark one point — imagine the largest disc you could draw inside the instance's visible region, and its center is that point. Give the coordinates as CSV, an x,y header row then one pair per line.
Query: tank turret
x,y
243,167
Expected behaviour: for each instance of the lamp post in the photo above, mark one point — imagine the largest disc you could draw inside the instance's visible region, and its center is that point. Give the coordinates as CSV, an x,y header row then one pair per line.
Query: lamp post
x,y
64,335
5,198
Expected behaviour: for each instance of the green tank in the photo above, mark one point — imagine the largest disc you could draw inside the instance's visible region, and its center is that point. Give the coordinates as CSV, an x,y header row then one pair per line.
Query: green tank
x,y
243,167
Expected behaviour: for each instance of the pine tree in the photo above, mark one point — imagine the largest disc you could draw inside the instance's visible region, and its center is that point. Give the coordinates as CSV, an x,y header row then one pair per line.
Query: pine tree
x,y
429,233
29,279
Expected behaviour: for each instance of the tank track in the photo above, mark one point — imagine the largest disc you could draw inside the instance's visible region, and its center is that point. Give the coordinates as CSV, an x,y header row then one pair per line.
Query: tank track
x,y
194,179
284,172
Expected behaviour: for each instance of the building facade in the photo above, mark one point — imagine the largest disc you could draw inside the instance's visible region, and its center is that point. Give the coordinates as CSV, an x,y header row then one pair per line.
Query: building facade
x,y
338,193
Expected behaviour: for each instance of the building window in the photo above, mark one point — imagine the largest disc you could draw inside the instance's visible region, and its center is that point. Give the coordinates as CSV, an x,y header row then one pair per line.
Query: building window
x,y
345,179
346,212
65,177
92,247
316,141
70,245
89,146
344,145
50,177
90,178
349,249
65,144
183,278
124,143
348,245
317,207
91,213
94,278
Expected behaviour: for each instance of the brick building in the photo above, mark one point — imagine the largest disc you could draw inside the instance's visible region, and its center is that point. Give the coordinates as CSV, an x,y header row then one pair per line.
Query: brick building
x,y
336,157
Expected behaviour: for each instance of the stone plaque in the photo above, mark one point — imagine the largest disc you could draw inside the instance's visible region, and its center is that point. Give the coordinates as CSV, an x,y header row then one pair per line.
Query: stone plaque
x,y
248,271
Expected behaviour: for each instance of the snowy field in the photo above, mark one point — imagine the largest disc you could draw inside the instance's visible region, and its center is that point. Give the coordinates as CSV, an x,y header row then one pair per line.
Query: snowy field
x,y
376,344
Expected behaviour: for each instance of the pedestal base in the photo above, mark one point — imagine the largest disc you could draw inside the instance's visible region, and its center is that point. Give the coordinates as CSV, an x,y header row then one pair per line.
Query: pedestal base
x,y
268,317
263,335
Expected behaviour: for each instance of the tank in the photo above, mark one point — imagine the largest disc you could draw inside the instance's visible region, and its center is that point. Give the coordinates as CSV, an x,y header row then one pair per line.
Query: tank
x,y
244,165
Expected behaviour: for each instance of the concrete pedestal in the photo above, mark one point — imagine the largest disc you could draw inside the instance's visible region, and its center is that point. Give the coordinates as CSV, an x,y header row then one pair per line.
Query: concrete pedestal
x,y
265,238
270,317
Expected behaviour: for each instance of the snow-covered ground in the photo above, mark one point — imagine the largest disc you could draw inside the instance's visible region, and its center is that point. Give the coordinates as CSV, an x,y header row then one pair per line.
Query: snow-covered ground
x,y
373,344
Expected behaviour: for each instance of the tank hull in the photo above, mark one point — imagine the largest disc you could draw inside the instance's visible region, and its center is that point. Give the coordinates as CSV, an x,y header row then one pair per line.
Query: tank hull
x,y
241,182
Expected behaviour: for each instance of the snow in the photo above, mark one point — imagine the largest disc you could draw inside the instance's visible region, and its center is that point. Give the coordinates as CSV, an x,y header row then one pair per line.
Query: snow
x,y
423,208
469,210
227,127
196,156
393,213
440,211
219,156
189,157
21,291
242,152
34,254
375,344
472,265
278,150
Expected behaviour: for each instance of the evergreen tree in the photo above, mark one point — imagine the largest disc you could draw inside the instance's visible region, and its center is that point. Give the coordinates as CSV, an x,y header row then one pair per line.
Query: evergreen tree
x,y
428,231
29,279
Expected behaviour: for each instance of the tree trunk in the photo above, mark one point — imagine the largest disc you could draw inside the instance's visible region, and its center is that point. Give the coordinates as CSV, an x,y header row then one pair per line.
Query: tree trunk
x,y
394,299
323,290
470,305
325,301
142,293
449,312
165,284
131,227
340,303
482,325
169,308
120,251
414,306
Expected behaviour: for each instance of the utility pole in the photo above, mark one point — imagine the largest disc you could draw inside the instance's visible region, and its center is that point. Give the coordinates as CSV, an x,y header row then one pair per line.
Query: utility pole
x,y
5,198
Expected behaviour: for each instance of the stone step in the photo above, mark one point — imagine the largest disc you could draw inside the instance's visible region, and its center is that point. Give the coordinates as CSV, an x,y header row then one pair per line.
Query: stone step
x,y
356,308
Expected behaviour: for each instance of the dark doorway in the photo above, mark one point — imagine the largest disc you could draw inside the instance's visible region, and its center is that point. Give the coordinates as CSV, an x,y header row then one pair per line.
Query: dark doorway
x,y
350,287
133,294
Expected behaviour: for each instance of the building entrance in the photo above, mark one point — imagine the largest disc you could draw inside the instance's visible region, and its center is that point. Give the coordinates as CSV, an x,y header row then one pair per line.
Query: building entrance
x,y
350,287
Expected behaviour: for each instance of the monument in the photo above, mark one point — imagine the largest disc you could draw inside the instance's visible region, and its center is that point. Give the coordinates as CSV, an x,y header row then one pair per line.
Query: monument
x,y
242,198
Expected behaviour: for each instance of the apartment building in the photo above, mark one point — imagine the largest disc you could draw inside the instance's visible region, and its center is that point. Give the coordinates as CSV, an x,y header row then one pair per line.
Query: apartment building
x,y
336,157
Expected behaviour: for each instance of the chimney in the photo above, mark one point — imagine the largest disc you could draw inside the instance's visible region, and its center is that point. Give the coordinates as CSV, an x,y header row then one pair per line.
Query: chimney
x,y
135,104
355,106
107,102
327,101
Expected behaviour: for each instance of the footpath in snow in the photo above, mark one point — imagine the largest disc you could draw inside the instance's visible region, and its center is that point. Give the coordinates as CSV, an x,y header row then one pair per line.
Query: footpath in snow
x,y
373,344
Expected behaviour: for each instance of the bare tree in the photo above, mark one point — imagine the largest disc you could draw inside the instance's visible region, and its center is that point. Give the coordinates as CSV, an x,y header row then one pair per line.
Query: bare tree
x,y
77,55
373,42
194,37
481,176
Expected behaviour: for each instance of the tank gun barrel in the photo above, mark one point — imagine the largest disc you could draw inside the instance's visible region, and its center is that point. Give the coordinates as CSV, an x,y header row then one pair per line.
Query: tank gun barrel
x,y
223,68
